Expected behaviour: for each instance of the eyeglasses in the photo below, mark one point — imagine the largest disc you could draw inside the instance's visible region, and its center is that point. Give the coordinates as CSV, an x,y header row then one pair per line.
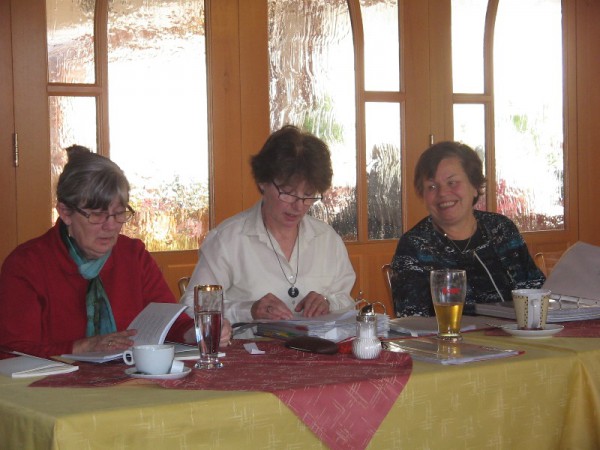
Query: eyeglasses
x,y
291,198
100,217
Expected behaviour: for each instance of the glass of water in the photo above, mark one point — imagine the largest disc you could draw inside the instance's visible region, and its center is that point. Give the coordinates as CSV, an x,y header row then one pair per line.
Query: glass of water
x,y
208,319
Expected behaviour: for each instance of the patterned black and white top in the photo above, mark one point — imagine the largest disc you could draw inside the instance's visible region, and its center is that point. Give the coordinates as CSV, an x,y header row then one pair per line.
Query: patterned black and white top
x,y
497,244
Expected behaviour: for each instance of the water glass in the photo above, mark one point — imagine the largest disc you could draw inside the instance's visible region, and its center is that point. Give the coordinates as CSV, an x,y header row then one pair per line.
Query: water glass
x,y
208,319
448,291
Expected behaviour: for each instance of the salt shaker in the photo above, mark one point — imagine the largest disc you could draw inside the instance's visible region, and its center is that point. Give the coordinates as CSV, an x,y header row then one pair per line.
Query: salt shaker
x,y
366,345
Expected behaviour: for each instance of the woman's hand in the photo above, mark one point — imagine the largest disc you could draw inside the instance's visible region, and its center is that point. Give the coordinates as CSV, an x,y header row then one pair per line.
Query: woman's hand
x,y
270,307
313,305
116,342
225,334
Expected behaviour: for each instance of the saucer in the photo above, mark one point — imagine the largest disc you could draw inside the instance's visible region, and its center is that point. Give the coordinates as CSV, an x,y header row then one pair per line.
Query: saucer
x,y
167,376
551,329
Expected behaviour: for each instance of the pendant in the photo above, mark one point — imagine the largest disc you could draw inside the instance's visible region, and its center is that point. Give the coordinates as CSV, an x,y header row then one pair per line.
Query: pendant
x,y
293,292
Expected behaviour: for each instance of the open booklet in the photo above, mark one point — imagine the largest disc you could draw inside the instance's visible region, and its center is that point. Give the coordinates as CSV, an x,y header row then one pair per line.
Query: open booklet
x,y
575,286
152,326
335,326
25,366
437,351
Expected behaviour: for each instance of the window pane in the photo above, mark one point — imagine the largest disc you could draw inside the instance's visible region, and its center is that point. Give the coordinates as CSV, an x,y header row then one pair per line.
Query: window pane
x,y
312,86
158,117
469,128
383,170
382,52
70,34
72,121
529,113
468,24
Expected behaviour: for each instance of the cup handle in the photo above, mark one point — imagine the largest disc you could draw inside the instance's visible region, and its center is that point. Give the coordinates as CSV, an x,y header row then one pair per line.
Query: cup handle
x,y
535,312
128,357
177,366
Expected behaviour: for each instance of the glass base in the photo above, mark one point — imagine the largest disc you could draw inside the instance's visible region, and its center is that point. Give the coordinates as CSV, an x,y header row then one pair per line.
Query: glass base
x,y
208,363
450,337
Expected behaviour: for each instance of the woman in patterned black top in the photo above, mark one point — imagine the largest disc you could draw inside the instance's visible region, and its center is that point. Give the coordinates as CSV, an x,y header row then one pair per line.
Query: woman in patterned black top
x,y
449,178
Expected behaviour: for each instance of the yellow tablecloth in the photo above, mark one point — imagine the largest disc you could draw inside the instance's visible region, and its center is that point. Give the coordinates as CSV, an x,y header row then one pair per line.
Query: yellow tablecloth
x,y
547,398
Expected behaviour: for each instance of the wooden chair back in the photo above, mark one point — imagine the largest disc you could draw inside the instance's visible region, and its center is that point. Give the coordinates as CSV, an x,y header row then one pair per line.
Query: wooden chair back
x,y
182,283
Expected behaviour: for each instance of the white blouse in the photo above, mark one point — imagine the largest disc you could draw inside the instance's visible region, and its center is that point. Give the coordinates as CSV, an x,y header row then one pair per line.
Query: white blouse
x,y
238,256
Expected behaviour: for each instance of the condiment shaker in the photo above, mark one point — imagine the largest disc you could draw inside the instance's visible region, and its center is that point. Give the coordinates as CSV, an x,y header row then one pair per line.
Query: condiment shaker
x,y
366,345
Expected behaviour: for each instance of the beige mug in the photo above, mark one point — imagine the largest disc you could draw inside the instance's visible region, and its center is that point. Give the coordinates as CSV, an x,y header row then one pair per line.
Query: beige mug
x,y
531,308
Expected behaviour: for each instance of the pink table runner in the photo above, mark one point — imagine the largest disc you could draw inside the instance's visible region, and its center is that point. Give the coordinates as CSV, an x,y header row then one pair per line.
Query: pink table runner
x,y
341,399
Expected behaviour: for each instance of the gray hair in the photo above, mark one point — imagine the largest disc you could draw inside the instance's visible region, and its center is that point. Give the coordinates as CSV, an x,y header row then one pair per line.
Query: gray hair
x,y
92,181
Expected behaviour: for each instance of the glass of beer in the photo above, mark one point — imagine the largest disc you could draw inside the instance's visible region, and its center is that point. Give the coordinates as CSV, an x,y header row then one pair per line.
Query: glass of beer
x,y
208,319
448,290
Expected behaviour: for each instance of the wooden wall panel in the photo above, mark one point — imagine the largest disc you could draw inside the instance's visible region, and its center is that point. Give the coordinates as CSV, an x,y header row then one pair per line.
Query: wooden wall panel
x,y
588,113
175,265
8,200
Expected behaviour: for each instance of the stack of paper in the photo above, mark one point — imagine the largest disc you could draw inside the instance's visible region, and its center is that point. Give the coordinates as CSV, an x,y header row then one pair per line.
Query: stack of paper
x,y
335,326
25,366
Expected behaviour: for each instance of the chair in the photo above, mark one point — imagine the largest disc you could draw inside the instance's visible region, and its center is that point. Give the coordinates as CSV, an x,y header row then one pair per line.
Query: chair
x,y
540,261
547,260
182,283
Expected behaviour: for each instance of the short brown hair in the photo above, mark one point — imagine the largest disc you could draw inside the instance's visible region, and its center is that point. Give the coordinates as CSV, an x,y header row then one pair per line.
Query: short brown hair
x,y
290,154
469,159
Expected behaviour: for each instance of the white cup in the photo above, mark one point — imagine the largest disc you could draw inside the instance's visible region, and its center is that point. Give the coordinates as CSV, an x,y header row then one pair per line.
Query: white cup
x,y
531,308
153,359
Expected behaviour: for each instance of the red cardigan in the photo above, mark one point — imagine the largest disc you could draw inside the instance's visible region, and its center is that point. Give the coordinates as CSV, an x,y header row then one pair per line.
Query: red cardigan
x,y
42,294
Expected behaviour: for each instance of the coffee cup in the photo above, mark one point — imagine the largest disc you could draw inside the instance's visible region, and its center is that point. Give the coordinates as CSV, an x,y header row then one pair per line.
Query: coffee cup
x,y
153,359
531,308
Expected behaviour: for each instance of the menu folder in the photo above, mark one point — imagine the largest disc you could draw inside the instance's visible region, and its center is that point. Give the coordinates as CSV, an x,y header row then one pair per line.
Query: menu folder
x,y
438,351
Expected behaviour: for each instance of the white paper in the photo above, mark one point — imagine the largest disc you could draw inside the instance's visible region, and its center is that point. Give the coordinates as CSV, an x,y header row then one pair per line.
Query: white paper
x,y
31,366
253,349
577,273
152,325
154,322
335,326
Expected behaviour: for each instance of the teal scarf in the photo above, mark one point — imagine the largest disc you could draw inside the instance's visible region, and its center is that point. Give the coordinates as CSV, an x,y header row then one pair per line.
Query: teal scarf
x,y
100,319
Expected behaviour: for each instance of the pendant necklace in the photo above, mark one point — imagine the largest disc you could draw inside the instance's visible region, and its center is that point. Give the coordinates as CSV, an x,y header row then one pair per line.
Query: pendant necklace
x,y
456,245
466,247
293,290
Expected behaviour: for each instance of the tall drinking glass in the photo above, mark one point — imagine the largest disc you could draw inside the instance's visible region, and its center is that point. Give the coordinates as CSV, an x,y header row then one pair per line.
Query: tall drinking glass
x,y
448,290
208,318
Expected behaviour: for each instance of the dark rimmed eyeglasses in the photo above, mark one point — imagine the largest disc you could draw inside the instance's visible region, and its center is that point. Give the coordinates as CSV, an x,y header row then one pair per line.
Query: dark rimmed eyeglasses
x,y
100,217
291,198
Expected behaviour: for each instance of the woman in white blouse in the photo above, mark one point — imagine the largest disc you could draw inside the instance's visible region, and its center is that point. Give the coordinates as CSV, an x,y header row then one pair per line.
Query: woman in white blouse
x,y
273,260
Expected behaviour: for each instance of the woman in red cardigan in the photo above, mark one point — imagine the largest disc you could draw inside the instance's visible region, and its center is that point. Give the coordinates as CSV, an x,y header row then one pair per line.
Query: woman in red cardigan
x,y
77,287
